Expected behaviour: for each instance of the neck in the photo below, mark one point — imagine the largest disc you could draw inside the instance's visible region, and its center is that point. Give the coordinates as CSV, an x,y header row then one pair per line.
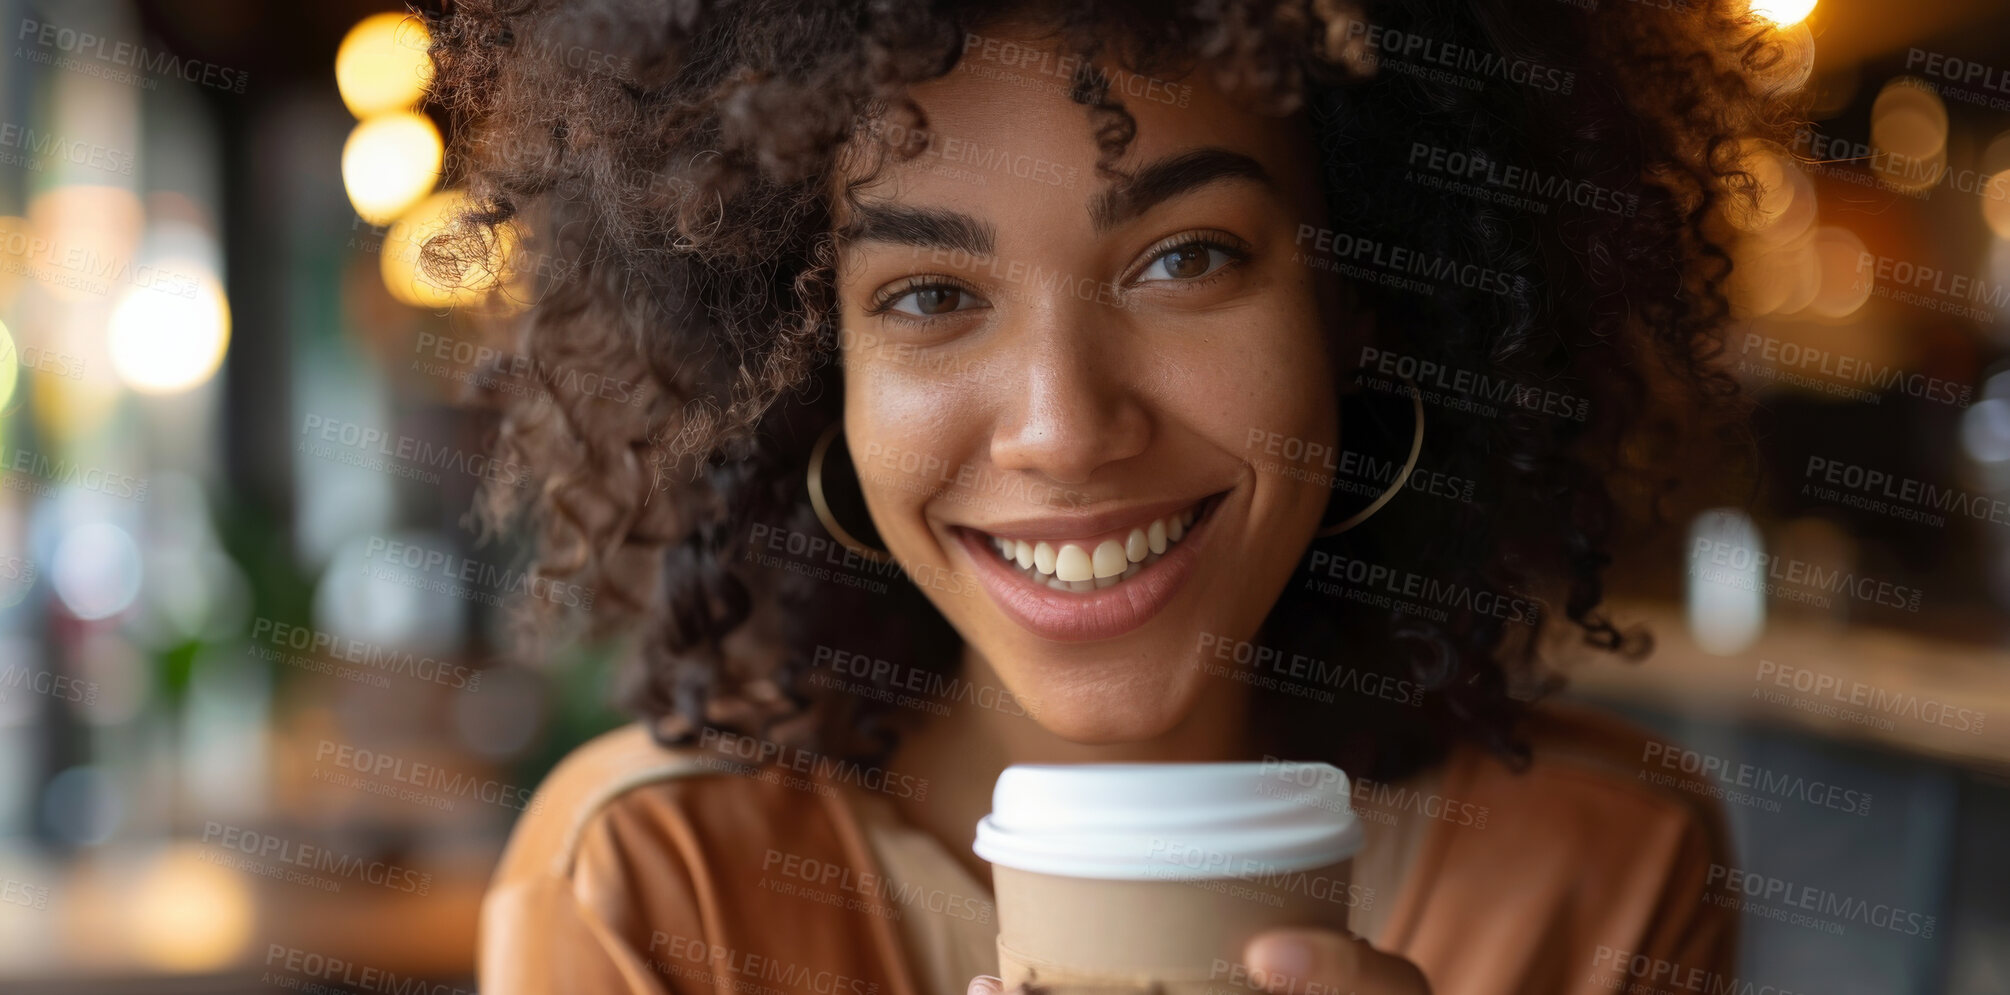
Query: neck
x,y
961,754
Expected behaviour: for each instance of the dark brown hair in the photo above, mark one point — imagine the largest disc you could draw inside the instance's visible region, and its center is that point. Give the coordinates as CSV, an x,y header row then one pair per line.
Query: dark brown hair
x,y
678,158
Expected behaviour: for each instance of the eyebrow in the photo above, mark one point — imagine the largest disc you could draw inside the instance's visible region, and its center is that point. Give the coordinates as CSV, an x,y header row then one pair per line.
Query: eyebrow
x,y
1167,178
921,227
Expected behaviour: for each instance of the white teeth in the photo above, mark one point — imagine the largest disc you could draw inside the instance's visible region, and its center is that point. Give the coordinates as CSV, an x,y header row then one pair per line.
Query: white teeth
x,y
1073,565
1136,547
1109,559
1070,567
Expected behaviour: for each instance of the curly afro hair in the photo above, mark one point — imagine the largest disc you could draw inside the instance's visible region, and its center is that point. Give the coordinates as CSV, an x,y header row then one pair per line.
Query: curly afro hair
x,y
678,159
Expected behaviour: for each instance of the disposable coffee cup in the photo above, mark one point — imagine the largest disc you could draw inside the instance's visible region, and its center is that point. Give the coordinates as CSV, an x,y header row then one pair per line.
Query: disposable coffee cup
x,y
1117,877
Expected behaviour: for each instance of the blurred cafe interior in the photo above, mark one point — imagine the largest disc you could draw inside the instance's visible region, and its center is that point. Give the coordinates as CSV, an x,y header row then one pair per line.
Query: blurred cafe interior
x,y
211,298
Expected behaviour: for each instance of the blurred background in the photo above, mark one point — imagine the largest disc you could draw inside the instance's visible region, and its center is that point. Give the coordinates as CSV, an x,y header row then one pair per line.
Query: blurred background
x,y
253,730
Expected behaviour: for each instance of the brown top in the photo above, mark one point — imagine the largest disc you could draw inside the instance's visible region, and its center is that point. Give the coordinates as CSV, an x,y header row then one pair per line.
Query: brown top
x,y
638,869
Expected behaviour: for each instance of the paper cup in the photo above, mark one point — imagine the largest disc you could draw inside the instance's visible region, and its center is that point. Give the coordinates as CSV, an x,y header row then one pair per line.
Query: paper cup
x,y
1123,876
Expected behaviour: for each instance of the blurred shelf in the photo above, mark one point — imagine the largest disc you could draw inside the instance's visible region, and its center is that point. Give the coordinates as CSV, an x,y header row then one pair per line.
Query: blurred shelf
x,y
1901,691
114,920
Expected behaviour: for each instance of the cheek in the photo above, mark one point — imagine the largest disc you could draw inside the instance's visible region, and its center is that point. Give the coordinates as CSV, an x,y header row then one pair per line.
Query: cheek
x,y
901,426
1243,391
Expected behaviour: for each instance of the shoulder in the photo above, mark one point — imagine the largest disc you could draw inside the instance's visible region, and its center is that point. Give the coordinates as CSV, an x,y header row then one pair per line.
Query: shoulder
x,y
624,786
1593,849
1582,759
1594,796
633,862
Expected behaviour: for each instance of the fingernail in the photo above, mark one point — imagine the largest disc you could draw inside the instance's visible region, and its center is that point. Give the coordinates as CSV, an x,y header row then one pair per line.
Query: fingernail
x,y
1286,955
985,984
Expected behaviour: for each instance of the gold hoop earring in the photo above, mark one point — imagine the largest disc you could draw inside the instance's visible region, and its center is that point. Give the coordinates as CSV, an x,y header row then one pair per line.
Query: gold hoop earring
x,y
1409,466
823,508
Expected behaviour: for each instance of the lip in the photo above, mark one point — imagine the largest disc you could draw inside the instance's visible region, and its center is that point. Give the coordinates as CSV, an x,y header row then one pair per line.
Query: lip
x,y
1056,528
1064,616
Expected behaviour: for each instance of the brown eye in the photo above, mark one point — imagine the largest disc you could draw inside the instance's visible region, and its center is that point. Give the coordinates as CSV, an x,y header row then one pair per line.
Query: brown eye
x,y
928,300
1190,261
1186,262
937,300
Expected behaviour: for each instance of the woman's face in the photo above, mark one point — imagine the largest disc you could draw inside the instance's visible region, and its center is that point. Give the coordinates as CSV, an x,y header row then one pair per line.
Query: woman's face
x,y
1063,399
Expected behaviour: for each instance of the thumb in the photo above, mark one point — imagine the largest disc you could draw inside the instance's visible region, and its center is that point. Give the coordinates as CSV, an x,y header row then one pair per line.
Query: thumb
x,y
985,984
1294,960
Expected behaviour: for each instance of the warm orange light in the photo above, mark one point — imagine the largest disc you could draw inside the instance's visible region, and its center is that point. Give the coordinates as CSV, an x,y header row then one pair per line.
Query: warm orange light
x,y
10,371
1908,132
1996,203
80,241
470,280
1775,201
389,162
165,341
1783,13
187,913
1845,285
382,64
1796,62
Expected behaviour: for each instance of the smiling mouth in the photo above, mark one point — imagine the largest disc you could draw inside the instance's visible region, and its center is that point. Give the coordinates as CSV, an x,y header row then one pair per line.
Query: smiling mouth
x,y
1090,564
1045,578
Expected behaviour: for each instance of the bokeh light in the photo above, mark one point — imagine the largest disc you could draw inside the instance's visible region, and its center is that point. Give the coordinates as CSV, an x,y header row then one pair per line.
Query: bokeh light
x,y
480,272
1996,203
10,369
1726,602
1776,266
163,342
382,64
1775,201
1794,64
75,239
188,913
96,570
66,410
388,163
1783,12
1996,155
1845,284
1985,431
1908,133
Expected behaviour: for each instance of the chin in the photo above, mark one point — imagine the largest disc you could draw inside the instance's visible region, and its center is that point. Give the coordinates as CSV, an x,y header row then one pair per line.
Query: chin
x,y
1107,723
1109,710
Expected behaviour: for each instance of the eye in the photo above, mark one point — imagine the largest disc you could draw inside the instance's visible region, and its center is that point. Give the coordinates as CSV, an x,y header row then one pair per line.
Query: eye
x,y
1187,261
926,300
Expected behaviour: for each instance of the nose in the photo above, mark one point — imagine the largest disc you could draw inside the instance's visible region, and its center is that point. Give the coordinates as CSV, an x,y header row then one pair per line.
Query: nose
x,y
1076,408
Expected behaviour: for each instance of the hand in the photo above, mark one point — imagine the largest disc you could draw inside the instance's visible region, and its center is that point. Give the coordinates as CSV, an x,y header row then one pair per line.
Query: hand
x,y
1301,961
1308,962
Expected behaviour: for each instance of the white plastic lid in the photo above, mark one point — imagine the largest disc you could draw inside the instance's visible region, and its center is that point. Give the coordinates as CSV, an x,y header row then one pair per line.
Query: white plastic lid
x,y
1169,821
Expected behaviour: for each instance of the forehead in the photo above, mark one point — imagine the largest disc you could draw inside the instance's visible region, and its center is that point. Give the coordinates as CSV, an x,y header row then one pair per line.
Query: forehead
x,y
1002,124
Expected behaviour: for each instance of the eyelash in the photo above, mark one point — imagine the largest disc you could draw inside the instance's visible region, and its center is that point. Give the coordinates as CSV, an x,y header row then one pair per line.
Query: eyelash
x,y
1235,249
883,302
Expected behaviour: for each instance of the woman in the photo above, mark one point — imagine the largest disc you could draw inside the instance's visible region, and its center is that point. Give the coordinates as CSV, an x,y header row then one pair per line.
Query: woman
x,y
1088,383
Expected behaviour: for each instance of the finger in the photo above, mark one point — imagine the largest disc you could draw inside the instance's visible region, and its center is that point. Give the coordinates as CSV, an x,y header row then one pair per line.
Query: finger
x,y
1289,960
985,984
